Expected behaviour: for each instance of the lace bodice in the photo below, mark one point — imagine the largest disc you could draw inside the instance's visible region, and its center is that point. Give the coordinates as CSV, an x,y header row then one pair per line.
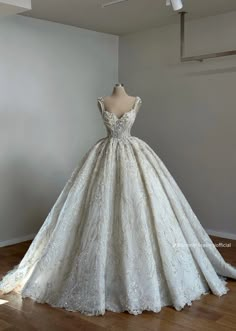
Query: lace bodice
x,y
119,127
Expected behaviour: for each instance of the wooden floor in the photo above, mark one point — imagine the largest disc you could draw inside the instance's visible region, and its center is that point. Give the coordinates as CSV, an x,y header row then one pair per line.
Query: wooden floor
x,y
208,313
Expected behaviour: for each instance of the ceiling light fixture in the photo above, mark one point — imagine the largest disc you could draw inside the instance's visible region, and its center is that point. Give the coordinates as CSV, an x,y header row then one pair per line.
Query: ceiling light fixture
x,y
176,4
114,2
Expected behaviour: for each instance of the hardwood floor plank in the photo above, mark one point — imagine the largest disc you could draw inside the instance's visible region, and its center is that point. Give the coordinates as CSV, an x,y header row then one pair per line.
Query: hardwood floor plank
x,y
45,318
4,325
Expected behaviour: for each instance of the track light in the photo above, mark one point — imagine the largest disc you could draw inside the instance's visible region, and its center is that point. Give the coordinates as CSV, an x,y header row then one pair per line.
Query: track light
x,y
113,2
176,4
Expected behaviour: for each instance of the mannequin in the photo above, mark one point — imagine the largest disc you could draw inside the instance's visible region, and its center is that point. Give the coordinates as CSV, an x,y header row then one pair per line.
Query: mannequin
x,y
119,102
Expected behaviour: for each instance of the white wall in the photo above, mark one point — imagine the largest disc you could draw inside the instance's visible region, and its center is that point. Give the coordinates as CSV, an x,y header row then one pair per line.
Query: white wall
x,y
189,111
50,77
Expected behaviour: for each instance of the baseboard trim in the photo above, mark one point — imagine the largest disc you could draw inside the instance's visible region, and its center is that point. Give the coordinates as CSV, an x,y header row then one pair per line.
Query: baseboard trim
x,y
220,234
18,240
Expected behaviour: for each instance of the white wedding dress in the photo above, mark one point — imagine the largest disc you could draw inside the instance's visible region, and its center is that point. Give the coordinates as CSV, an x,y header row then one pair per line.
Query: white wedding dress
x,y
121,236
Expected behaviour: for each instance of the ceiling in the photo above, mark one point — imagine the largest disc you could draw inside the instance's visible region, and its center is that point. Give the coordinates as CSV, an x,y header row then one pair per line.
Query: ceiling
x,y
13,7
123,18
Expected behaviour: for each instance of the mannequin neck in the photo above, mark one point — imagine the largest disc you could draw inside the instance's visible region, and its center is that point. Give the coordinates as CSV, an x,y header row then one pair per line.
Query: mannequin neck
x,y
119,91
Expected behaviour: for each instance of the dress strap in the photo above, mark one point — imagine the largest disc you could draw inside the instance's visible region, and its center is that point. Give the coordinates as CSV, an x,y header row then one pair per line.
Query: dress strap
x,y
101,103
138,103
138,100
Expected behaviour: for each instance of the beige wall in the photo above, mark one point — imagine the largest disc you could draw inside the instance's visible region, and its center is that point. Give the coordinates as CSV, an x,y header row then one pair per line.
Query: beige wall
x,y
189,111
50,77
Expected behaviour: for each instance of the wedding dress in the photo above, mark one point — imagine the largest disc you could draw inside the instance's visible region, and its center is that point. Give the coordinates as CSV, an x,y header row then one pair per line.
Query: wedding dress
x,y
121,236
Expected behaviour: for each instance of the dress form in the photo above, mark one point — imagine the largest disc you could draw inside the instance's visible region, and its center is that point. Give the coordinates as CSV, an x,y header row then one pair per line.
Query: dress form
x,y
119,102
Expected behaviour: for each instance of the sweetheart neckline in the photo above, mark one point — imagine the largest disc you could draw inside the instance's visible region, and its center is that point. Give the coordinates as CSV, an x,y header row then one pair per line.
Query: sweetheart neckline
x,y
118,118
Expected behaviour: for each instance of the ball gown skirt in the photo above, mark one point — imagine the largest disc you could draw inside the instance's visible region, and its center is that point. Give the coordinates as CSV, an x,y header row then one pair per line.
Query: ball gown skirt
x,y
121,236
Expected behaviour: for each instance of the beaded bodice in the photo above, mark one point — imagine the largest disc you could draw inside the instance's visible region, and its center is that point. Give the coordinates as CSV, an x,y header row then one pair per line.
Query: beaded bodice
x,y
119,127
